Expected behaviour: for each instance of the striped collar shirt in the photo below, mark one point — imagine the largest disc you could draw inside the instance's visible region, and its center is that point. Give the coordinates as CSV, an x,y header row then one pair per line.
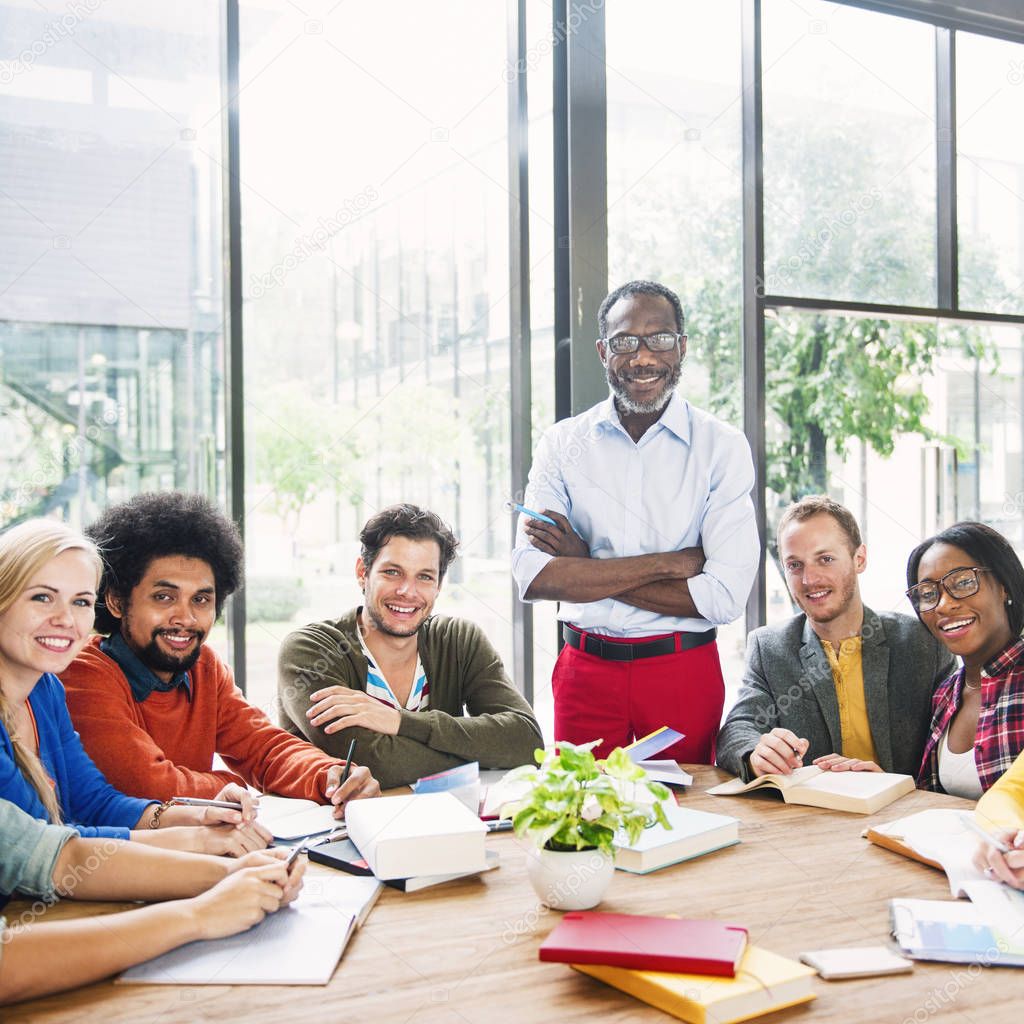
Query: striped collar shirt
x,y
379,688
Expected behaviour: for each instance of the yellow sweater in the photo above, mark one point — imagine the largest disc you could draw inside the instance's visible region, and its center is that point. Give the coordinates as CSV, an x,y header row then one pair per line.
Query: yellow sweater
x,y
1003,805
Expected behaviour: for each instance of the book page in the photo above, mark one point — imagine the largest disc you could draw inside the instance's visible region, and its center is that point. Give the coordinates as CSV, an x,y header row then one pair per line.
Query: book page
x,y
862,785
668,772
737,785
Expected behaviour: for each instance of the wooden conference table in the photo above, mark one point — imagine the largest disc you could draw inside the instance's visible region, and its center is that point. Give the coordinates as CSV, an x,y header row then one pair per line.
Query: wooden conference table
x,y
466,952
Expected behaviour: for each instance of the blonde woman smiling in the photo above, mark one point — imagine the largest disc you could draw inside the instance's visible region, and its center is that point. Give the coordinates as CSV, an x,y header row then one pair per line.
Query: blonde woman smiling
x,y
48,579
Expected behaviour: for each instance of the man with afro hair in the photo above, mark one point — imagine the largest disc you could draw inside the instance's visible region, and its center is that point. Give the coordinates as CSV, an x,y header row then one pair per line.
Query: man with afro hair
x,y
153,703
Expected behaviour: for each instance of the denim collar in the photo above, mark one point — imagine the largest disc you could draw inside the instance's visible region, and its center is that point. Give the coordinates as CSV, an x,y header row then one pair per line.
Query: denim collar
x,y
141,679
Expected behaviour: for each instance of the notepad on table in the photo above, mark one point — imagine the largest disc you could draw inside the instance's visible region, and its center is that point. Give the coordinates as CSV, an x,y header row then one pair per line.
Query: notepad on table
x,y
855,792
988,930
693,833
764,982
646,943
428,834
299,945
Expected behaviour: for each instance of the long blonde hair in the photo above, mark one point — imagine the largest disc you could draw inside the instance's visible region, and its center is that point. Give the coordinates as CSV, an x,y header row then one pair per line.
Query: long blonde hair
x,y
24,550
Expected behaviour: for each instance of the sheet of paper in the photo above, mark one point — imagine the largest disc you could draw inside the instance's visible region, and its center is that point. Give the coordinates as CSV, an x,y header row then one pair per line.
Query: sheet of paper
x,y
500,791
666,771
299,945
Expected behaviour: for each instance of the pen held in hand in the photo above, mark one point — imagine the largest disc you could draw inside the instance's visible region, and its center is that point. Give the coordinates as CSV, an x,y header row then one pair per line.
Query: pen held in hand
x,y
297,850
194,801
348,764
968,820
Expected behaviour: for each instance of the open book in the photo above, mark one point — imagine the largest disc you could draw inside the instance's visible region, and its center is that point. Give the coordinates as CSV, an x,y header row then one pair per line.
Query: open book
x,y
937,837
856,792
290,818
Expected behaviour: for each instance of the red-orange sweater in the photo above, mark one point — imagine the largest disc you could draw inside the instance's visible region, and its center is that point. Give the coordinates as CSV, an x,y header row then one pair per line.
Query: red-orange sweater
x,y
164,746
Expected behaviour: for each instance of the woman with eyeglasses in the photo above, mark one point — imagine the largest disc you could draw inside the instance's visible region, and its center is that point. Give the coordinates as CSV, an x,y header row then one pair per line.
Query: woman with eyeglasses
x,y
967,587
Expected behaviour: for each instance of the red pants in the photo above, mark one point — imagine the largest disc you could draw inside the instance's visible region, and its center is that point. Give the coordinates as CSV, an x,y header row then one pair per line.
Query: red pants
x,y
619,701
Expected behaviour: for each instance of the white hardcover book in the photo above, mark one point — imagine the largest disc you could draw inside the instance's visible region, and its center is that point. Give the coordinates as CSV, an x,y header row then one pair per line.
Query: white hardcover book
x,y
422,834
693,833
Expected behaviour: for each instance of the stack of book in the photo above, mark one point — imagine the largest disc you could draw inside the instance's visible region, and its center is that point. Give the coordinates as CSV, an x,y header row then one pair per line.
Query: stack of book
x,y
698,971
409,842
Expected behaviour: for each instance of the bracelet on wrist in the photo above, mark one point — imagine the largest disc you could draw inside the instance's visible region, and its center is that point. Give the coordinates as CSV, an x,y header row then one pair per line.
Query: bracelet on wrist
x,y
155,822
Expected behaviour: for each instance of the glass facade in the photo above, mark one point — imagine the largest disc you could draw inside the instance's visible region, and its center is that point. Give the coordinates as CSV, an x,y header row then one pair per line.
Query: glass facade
x,y
376,257
374,197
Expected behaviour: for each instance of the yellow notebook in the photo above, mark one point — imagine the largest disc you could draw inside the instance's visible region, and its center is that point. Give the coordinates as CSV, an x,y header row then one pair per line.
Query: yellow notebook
x,y
764,982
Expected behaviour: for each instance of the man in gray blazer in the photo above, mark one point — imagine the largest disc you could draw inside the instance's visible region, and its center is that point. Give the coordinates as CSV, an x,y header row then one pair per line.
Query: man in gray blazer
x,y
839,684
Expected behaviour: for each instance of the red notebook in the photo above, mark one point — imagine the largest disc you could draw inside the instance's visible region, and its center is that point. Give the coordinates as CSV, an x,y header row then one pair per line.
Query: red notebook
x,y
648,943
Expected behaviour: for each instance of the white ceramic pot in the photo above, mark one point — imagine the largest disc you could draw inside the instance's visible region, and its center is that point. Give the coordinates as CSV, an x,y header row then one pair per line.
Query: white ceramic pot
x,y
569,880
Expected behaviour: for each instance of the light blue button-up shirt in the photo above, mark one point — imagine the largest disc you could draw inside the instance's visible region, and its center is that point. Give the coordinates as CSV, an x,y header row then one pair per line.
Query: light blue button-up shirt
x,y
28,852
686,483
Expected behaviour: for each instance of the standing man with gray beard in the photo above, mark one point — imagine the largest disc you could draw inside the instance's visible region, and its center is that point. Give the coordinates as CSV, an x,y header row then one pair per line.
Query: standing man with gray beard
x,y
653,545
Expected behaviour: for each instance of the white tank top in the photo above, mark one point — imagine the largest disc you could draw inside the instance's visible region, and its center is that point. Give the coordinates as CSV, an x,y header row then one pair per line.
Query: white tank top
x,y
958,773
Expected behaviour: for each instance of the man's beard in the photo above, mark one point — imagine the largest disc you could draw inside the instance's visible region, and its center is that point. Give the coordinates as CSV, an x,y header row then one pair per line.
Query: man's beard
x,y
846,597
655,404
153,657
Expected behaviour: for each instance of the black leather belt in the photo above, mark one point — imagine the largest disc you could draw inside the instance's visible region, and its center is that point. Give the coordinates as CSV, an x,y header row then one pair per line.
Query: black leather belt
x,y
602,647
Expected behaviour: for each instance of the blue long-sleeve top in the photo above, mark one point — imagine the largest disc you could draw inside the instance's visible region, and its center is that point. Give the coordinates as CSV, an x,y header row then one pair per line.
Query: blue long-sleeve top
x,y
88,802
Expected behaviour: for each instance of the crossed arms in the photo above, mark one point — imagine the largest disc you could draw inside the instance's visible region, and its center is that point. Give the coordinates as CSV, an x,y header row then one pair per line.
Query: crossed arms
x,y
655,582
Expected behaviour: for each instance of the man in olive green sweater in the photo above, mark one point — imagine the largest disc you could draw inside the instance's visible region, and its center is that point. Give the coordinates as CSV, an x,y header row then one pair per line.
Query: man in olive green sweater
x,y
419,694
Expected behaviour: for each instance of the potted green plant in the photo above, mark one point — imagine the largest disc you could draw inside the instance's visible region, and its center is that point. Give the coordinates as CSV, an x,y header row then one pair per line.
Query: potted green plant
x,y
573,806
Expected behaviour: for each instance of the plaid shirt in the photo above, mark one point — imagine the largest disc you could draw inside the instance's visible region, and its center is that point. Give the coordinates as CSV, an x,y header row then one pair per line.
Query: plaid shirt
x,y
999,736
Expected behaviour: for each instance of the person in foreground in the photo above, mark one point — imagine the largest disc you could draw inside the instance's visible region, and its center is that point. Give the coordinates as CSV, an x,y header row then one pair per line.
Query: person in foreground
x,y
212,897
654,541
419,693
967,586
48,579
152,701
839,684
1001,812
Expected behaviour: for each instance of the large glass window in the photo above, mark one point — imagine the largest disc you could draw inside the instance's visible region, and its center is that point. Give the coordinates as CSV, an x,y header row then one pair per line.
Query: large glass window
x,y
675,190
990,173
912,425
375,225
538,67
111,310
849,154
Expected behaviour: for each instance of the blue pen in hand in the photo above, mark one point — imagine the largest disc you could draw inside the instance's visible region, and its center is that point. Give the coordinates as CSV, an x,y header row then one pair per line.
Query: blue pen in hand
x,y
513,507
